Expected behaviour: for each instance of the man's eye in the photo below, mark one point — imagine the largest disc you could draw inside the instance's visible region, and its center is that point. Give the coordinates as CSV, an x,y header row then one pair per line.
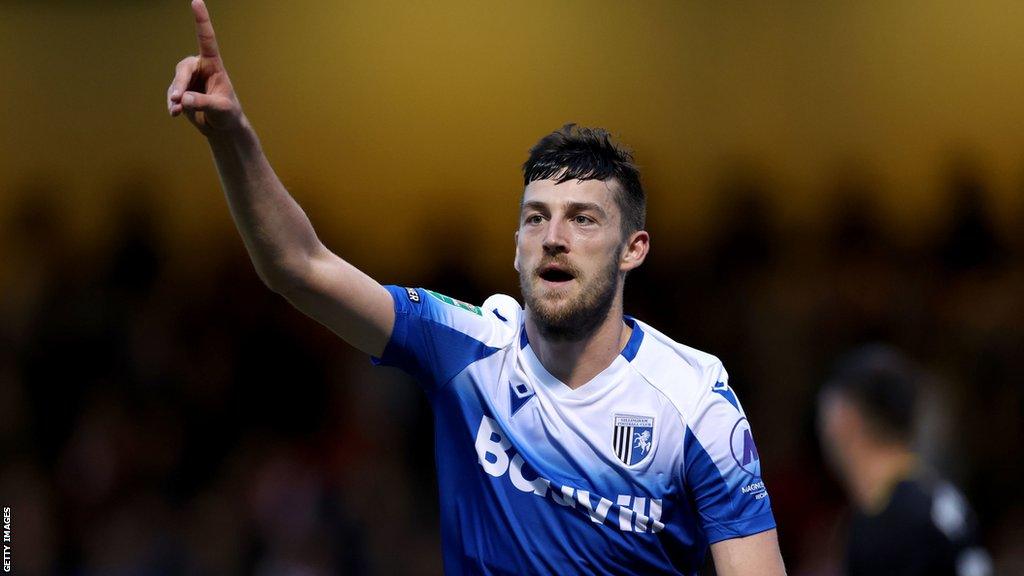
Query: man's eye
x,y
534,219
581,219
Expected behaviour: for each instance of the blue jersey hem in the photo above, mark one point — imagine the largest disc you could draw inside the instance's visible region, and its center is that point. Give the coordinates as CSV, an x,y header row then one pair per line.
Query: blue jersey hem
x,y
717,532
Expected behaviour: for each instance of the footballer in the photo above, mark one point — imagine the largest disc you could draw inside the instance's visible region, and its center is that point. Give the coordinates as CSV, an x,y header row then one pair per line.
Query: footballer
x,y
570,438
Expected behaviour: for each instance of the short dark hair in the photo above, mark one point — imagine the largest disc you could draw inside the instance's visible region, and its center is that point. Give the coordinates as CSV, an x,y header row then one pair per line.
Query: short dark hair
x,y
580,153
883,384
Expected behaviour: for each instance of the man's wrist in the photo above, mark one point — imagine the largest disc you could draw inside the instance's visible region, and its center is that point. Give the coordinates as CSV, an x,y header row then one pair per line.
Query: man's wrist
x,y
242,138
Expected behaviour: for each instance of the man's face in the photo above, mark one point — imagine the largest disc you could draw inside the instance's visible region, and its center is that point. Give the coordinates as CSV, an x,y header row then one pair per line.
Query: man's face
x,y
569,254
837,425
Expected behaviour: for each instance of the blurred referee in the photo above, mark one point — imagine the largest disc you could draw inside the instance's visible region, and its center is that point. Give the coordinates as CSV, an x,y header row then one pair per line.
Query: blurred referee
x,y
907,520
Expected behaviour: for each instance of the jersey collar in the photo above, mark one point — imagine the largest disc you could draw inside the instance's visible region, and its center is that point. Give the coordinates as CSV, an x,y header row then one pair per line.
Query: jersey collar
x,y
596,386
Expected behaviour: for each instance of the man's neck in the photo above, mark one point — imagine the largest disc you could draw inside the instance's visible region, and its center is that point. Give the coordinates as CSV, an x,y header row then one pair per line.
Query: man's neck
x,y
876,472
575,363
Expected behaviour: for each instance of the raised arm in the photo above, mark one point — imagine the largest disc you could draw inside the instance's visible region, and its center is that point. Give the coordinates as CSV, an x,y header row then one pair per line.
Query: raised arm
x,y
282,244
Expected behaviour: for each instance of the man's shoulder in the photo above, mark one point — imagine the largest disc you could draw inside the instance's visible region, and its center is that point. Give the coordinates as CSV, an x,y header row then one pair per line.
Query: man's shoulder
x,y
682,373
505,309
923,501
493,323
947,508
662,358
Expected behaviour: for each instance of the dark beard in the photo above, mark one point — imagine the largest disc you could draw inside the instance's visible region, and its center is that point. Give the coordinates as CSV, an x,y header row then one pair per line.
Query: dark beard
x,y
580,316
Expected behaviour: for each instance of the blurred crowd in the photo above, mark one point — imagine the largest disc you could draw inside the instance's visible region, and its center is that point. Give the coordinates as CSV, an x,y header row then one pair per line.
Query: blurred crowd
x,y
156,420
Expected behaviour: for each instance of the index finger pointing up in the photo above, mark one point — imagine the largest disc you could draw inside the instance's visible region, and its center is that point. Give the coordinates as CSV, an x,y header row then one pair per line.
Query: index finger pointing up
x,y
204,31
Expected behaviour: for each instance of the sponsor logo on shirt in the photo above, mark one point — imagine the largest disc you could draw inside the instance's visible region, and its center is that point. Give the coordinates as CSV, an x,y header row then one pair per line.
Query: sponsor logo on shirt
x,y
723,389
756,488
498,459
521,394
744,451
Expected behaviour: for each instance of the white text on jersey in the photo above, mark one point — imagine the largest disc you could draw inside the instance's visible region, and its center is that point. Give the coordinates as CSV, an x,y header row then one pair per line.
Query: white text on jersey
x,y
636,513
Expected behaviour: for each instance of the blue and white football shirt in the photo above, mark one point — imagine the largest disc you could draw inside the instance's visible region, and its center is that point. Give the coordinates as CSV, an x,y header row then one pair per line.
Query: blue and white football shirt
x,y
635,472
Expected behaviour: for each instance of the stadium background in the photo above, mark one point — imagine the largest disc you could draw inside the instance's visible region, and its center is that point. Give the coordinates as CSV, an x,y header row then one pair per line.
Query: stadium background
x,y
819,175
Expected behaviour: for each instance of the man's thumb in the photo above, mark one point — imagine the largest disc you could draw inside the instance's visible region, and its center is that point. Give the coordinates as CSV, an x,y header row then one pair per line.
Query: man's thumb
x,y
198,102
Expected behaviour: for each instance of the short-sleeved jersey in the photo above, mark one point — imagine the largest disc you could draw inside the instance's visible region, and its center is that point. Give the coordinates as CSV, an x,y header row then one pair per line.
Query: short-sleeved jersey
x,y
635,472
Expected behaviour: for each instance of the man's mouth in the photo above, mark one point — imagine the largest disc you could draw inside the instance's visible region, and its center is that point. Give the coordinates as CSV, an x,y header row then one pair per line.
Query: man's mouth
x,y
555,274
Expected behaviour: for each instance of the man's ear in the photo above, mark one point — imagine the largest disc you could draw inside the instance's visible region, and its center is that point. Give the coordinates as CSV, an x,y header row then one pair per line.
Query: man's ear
x,y
635,250
515,263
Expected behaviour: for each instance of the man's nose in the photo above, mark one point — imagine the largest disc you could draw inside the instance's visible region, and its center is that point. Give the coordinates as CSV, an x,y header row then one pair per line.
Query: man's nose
x,y
556,240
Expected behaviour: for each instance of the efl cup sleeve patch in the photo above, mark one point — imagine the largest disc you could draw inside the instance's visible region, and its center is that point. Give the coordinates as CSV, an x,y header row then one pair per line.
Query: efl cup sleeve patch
x,y
457,303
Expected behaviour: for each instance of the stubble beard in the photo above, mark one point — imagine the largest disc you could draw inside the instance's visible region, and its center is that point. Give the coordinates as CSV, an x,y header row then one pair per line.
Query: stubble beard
x,y
573,319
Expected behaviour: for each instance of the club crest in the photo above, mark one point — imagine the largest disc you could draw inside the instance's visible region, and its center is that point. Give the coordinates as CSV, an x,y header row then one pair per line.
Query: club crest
x,y
633,438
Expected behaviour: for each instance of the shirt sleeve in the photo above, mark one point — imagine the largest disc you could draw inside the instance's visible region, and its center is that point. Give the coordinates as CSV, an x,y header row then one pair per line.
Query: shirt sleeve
x,y
435,337
956,530
722,469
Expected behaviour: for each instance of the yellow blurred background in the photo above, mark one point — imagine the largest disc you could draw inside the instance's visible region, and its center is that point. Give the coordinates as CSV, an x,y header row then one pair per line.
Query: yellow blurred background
x,y
422,112
152,390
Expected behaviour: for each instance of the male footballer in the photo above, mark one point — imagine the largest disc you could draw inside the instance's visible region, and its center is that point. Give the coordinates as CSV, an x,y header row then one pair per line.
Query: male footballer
x,y
570,439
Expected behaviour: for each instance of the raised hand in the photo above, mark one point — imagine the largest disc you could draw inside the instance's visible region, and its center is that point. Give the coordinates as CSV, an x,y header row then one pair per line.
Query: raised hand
x,y
201,87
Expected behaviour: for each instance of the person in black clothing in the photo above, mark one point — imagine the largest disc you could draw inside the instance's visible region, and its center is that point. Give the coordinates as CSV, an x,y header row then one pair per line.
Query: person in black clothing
x,y
907,520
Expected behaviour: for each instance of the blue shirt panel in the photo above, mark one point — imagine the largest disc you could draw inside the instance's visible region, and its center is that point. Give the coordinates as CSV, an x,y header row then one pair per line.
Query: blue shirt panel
x,y
725,511
424,344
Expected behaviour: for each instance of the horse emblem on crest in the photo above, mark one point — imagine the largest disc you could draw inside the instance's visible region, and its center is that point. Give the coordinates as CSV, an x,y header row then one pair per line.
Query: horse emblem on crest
x,y
632,438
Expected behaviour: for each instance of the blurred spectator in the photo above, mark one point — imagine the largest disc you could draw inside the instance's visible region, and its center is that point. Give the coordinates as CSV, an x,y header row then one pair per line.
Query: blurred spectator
x,y
907,519
970,241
